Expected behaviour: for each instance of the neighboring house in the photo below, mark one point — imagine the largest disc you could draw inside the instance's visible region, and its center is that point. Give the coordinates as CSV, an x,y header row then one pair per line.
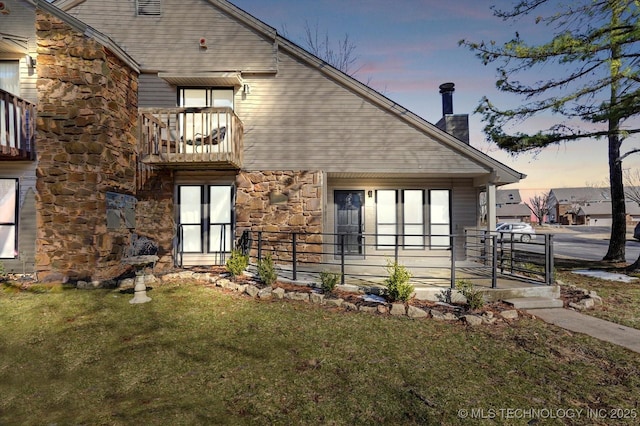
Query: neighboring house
x,y
509,207
564,203
239,129
599,214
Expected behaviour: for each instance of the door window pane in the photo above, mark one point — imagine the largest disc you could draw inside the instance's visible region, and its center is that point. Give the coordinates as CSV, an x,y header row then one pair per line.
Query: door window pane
x,y
190,204
220,218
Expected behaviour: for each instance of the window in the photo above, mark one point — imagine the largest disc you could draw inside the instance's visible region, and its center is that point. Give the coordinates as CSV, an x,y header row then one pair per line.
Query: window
x,y
148,7
8,218
413,214
386,218
10,77
406,218
440,218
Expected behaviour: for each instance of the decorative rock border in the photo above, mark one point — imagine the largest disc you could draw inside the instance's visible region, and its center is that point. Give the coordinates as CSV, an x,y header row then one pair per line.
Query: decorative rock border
x,y
315,298
589,300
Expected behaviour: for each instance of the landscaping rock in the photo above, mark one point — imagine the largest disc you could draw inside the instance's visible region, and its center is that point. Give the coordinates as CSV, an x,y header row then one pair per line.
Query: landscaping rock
x,y
265,293
398,309
437,315
509,314
223,282
368,309
333,302
415,312
278,293
382,309
126,283
450,317
252,290
316,298
294,295
350,306
472,320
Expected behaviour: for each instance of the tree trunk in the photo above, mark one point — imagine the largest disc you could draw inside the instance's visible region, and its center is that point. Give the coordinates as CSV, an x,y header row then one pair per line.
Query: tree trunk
x,y
617,241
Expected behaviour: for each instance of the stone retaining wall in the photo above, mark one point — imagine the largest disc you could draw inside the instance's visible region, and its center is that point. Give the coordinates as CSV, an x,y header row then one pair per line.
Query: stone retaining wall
x,y
87,124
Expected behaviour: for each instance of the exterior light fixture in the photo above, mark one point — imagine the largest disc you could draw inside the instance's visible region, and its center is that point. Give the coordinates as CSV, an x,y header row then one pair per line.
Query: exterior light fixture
x,y
30,60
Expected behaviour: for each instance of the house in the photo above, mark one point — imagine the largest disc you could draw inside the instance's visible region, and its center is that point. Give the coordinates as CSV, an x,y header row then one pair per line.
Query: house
x,y
564,203
221,126
509,207
599,214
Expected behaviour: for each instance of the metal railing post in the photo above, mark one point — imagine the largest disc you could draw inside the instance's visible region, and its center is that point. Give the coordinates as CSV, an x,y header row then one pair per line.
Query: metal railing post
x,y
494,265
259,245
294,256
549,261
453,263
342,258
397,248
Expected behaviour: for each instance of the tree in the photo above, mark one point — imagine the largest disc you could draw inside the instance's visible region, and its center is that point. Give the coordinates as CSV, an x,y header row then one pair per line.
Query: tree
x,y
340,55
593,56
539,206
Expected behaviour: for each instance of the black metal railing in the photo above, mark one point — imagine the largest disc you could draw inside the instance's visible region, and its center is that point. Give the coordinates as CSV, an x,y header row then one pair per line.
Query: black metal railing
x,y
478,256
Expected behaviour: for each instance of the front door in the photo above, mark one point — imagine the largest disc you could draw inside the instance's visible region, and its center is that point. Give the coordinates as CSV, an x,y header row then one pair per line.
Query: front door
x,y
349,213
205,224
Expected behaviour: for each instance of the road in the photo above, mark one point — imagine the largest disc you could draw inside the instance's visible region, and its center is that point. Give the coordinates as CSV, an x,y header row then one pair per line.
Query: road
x,y
589,243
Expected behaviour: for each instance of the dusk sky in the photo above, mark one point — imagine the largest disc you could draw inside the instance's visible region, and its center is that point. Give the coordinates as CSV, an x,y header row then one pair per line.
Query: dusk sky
x,y
407,48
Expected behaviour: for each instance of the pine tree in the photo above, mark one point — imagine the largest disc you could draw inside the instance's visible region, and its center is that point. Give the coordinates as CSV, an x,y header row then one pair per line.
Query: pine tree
x,y
594,52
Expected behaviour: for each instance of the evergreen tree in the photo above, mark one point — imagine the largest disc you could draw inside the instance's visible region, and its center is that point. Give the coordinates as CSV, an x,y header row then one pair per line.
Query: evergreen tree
x,y
592,63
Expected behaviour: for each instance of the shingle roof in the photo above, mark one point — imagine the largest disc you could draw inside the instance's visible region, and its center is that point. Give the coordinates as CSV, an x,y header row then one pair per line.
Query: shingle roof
x,y
508,196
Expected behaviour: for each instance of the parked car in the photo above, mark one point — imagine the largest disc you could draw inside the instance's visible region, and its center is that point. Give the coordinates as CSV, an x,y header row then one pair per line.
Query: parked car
x,y
518,231
636,232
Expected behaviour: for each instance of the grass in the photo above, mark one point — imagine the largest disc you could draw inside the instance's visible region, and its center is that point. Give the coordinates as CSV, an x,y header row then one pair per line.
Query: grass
x,y
196,355
621,300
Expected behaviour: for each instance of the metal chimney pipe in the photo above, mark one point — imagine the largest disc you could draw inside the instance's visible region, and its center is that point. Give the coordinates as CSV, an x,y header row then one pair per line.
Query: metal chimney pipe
x,y
447,89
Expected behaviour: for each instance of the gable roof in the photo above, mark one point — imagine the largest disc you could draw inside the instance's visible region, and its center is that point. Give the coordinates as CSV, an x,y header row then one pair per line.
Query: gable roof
x,y
604,209
580,195
508,196
496,172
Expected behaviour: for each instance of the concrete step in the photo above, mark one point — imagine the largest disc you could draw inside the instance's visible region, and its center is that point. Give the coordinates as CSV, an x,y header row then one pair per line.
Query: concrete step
x,y
534,303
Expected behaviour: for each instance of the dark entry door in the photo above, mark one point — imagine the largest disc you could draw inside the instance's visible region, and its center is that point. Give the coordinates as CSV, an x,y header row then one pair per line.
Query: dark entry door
x,y
349,211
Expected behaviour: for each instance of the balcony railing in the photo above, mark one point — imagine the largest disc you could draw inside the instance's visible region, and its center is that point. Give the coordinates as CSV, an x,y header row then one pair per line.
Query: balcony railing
x,y
196,137
17,127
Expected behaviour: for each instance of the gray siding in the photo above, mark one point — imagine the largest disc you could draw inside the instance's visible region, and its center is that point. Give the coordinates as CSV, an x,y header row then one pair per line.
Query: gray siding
x,y
171,42
303,120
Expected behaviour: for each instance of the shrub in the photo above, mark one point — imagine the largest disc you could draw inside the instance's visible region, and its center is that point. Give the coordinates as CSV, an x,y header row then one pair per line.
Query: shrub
x,y
3,274
329,280
237,263
266,270
474,296
398,287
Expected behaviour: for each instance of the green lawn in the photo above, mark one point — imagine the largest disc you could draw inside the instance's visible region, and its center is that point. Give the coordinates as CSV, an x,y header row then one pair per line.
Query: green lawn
x,y
196,355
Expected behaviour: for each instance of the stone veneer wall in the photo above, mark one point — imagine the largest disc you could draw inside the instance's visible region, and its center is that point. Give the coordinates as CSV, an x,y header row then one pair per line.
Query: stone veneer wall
x,y
87,125
282,201
155,214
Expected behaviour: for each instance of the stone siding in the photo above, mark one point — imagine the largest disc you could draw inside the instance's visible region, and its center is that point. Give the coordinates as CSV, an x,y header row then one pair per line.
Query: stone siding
x,y
86,146
282,201
155,214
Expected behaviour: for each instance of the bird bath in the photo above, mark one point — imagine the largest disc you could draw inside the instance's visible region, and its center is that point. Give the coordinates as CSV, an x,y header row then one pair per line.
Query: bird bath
x,y
139,264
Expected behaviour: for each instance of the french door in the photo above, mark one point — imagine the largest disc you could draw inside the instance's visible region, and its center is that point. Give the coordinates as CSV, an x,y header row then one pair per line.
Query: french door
x,y
349,209
205,224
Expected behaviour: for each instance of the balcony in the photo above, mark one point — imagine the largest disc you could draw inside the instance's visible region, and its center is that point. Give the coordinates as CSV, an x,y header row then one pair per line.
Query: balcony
x,y
210,138
17,128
